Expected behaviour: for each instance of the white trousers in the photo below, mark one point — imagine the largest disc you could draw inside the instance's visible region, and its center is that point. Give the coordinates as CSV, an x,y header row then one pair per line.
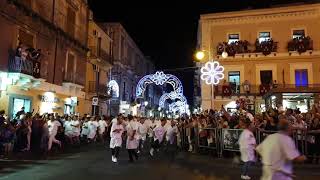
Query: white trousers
x,y
52,139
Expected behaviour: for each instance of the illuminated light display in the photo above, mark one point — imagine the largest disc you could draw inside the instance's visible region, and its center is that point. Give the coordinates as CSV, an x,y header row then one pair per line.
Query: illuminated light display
x,y
159,78
172,96
212,72
178,106
113,89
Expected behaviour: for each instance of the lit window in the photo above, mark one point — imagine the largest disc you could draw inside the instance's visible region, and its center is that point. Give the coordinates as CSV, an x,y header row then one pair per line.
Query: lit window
x,y
233,38
264,36
298,33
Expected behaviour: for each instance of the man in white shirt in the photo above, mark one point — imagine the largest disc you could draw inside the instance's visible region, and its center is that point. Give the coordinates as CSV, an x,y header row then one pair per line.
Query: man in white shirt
x,y
278,151
68,129
142,131
172,136
102,128
53,126
247,144
159,134
75,123
132,138
116,139
93,127
85,129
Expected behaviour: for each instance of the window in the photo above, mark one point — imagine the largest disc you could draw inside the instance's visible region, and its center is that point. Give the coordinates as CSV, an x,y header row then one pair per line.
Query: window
x,y
70,67
26,38
234,81
124,92
266,77
18,103
298,33
301,77
264,36
233,38
71,21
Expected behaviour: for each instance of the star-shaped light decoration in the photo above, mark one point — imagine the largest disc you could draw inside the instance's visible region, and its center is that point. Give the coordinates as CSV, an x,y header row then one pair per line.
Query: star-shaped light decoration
x,y
212,72
159,78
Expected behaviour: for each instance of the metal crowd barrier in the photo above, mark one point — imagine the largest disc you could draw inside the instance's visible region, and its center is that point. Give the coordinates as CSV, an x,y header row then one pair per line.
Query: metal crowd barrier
x,y
220,140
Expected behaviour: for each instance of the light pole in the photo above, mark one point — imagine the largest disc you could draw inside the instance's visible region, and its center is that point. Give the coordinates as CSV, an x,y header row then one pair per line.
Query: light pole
x,y
212,71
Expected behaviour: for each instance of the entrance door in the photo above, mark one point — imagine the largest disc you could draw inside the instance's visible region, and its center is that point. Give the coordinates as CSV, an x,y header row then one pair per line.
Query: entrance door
x,y
301,76
266,77
18,103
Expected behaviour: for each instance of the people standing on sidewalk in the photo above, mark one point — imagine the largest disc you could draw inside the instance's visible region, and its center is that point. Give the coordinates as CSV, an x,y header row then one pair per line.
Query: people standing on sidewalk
x,y
247,144
278,151
159,134
116,139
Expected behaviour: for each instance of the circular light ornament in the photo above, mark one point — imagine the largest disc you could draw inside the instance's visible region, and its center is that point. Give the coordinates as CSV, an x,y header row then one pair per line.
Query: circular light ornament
x,y
212,72
224,54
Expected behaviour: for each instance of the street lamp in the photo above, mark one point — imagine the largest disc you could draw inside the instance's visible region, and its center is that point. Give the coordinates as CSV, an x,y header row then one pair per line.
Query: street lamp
x,y
146,103
200,55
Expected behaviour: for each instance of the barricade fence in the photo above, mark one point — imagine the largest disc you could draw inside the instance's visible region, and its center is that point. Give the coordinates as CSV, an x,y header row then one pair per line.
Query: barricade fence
x,y
221,140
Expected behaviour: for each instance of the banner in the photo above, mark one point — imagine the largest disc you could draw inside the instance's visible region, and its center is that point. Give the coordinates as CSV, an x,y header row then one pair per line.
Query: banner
x,y
231,139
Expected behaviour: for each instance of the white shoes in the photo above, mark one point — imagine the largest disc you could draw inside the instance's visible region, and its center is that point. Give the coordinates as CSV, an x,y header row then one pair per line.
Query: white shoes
x,y
114,159
151,152
245,177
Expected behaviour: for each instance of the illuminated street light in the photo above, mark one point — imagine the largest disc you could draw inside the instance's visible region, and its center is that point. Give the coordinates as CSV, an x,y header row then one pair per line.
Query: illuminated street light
x,y
200,55
146,103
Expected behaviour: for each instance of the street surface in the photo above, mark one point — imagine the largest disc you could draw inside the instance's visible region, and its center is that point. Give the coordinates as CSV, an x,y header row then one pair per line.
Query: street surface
x,y
95,163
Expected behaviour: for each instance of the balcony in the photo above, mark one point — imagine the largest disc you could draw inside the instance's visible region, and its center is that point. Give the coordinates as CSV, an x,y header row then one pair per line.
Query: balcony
x,y
300,44
100,57
238,47
266,47
99,90
227,91
74,78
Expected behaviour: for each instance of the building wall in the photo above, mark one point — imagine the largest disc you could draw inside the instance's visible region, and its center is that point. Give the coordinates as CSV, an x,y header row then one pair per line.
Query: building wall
x,y
55,46
280,22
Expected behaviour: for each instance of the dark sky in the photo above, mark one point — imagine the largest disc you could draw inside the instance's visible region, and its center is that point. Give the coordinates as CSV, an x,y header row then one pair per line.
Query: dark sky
x,y
167,30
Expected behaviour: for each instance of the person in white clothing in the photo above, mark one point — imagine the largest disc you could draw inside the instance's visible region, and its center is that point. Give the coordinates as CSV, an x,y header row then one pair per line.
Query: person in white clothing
x,y
172,136
85,129
75,123
247,144
132,138
53,125
102,128
142,131
68,129
159,134
93,127
278,151
116,139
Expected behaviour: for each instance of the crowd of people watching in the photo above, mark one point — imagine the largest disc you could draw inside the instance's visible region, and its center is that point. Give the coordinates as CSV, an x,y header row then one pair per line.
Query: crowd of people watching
x,y
42,133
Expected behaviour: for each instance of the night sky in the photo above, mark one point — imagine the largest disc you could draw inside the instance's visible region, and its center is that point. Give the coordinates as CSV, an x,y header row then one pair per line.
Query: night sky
x,y
167,30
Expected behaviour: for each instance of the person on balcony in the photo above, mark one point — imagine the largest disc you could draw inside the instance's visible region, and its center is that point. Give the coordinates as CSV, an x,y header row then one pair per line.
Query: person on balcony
x,y
226,89
246,86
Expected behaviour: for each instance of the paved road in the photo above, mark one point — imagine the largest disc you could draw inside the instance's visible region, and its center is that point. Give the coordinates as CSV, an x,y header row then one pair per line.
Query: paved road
x,y
95,164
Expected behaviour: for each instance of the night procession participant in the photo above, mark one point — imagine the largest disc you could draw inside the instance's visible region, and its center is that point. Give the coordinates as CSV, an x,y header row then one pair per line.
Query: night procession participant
x,y
132,138
53,125
142,131
278,151
159,134
247,144
116,139
172,137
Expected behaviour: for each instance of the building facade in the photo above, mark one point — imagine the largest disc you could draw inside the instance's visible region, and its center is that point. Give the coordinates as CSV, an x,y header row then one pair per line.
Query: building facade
x,y
273,57
129,66
43,55
99,65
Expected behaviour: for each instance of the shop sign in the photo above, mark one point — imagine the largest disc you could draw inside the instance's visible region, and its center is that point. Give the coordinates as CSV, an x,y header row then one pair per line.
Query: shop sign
x,y
49,99
95,101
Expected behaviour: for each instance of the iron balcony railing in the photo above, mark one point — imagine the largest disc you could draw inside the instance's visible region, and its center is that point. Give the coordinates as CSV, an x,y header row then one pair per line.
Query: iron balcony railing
x,y
99,89
28,67
261,90
102,54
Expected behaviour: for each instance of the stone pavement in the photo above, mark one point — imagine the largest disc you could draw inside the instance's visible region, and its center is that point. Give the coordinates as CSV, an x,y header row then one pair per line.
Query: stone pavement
x,y
95,164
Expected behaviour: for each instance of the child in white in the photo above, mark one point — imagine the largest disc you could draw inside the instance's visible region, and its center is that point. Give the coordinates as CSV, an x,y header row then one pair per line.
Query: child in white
x,y
116,139
53,126
247,144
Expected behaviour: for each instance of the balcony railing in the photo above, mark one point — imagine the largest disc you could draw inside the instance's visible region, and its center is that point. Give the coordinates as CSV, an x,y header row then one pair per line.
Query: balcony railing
x,y
300,44
75,78
98,89
260,90
233,48
100,53
266,47
18,65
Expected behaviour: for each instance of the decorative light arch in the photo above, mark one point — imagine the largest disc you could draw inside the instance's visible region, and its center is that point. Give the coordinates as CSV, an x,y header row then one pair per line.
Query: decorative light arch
x,y
178,106
113,89
158,78
172,96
